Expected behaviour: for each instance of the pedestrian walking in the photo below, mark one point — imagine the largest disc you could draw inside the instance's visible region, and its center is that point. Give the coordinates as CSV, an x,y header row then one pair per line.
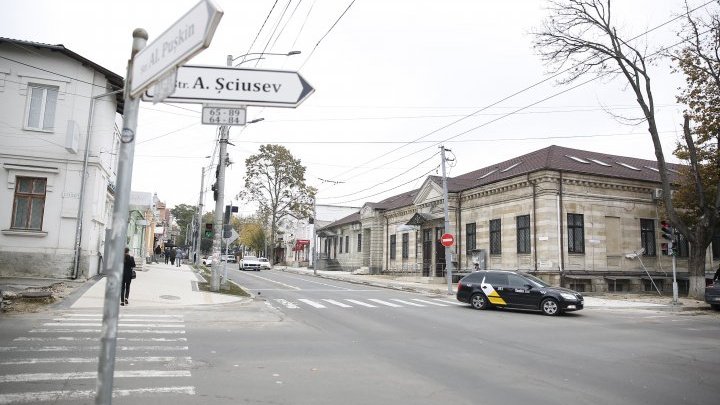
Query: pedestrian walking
x,y
179,257
157,252
173,255
716,277
167,255
127,277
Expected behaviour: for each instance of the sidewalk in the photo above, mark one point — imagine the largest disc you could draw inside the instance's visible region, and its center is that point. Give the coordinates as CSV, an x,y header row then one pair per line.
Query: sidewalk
x,y
420,285
159,285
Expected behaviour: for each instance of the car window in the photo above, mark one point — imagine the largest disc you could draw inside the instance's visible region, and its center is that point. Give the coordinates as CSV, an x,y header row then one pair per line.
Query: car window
x,y
496,278
536,281
249,258
474,277
516,281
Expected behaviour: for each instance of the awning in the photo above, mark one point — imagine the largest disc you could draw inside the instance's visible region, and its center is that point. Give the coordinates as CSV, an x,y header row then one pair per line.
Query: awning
x,y
419,219
300,244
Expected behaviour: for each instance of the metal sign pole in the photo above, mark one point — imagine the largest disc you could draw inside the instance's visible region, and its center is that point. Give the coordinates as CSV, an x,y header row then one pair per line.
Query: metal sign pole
x,y
448,252
199,218
115,258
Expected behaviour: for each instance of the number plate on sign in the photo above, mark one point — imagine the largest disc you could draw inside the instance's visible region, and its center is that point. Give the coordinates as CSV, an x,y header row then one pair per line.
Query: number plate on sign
x,y
224,115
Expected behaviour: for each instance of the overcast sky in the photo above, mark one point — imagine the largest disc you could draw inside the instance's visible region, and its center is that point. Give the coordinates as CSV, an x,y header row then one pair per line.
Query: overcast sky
x,y
391,78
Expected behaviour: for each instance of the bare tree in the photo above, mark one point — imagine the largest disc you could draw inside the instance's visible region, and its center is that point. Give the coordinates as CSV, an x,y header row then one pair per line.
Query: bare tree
x,y
580,39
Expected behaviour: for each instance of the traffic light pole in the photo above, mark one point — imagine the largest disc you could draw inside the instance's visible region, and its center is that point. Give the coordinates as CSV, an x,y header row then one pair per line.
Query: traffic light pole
x,y
198,239
448,251
675,285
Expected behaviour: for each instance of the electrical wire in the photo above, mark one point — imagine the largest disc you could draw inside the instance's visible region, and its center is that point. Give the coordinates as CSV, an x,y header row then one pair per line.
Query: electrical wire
x,y
259,31
326,34
282,15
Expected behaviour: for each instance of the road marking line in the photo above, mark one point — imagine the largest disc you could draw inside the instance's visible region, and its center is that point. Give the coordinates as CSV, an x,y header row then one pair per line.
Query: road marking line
x,y
121,325
458,303
46,396
318,282
389,304
185,359
272,281
312,303
124,316
164,332
79,348
83,375
364,304
286,303
429,302
85,319
94,339
408,303
338,303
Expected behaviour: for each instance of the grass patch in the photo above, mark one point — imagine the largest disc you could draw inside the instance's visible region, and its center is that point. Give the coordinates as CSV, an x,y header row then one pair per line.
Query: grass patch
x,y
228,287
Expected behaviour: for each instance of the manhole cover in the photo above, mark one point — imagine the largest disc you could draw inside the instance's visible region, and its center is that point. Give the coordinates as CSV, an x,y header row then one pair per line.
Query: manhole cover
x,y
170,297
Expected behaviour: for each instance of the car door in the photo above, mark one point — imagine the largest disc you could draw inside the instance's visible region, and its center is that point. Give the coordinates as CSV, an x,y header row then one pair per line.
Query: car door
x,y
495,288
520,293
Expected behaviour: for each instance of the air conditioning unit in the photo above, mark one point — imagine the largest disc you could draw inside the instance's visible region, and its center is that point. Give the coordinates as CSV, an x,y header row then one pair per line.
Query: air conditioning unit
x,y
658,194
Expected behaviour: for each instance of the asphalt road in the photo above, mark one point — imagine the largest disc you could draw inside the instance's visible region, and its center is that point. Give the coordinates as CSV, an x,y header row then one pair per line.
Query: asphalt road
x,y
305,340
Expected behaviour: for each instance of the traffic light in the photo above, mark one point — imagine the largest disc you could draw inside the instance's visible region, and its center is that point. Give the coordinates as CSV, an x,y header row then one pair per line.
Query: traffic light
x,y
227,231
208,230
668,233
215,191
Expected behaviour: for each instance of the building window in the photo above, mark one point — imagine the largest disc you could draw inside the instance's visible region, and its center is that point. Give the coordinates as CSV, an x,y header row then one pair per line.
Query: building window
x,y
29,203
359,243
341,243
576,233
405,245
347,243
392,247
41,104
495,241
523,233
647,236
470,237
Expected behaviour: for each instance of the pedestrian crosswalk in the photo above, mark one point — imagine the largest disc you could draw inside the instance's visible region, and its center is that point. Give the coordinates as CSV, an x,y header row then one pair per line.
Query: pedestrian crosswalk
x,y
324,303
57,360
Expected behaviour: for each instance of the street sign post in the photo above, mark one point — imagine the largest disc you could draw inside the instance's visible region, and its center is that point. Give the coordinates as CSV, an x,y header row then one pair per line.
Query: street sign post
x,y
447,240
228,85
188,36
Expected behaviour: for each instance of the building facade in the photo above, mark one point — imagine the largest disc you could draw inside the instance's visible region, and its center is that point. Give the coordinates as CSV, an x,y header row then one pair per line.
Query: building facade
x,y
581,219
58,151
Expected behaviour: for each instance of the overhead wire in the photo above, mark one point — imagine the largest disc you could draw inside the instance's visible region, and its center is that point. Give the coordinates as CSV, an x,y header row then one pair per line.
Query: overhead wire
x,y
282,15
326,34
259,31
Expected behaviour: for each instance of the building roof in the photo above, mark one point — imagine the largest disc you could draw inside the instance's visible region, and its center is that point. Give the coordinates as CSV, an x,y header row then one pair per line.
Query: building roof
x,y
563,159
115,80
354,217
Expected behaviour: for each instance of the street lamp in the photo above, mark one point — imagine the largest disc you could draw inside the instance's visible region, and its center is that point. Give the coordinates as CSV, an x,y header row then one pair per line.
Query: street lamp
x,y
230,58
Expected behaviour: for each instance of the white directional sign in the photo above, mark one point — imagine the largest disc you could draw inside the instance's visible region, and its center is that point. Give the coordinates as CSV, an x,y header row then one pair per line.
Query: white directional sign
x,y
227,85
189,35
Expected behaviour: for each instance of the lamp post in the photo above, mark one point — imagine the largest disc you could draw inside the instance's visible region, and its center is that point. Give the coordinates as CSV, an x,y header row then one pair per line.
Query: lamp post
x,y
231,60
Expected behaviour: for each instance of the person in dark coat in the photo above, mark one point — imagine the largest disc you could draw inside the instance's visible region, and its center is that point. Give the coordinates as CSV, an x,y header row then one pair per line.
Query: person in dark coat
x,y
172,257
716,277
167,255
126,277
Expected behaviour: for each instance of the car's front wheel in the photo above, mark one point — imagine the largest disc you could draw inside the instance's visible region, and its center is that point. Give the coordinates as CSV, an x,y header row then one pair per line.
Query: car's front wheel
x,y
549,306
715,307
479,301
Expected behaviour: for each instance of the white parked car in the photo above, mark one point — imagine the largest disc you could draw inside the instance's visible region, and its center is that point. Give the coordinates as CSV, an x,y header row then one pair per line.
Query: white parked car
x,y
207,260
228,258
264,263
250,263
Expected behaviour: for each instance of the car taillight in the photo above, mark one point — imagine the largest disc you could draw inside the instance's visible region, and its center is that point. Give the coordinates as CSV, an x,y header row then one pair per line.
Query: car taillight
x,y
460,286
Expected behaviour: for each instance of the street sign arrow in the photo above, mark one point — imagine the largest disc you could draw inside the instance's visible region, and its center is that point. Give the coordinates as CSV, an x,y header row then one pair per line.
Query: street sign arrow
x,y
228,85
447,239
187,37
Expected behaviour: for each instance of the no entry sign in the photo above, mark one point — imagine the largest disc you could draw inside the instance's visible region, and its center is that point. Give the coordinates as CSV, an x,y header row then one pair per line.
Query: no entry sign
x,y
447,240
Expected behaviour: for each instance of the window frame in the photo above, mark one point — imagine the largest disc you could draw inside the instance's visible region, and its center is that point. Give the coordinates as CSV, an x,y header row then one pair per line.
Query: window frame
x,y
495,232
524,240
647,230
470,237
405,245
576,233
347,243
43,107
33,198
359,242
393,247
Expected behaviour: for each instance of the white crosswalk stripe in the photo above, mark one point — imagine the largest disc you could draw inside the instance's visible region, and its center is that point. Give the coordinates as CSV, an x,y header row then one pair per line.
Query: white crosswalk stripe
x,y
412,304
381,302
338,303
362,304
62,352
430,302
312,303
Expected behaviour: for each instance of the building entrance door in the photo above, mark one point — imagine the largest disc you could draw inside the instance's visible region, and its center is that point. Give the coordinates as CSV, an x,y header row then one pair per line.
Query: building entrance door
x,y
439,253
427,251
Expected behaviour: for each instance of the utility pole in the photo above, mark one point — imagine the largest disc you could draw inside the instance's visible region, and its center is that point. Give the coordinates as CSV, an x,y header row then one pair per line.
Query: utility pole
x,y
198,240
219,205
448,251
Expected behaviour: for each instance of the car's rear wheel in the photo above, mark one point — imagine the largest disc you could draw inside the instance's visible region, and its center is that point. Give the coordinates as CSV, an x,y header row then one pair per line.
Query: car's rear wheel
x,y
479,301
550,307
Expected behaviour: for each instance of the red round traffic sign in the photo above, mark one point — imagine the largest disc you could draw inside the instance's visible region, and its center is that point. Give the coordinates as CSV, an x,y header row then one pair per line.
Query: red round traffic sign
x,y
447,240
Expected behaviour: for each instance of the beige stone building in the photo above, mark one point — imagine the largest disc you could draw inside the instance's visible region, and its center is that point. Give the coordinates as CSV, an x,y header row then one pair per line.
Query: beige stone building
x,y
585,220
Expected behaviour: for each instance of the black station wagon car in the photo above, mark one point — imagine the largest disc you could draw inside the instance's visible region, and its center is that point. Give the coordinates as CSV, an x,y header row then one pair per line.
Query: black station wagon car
x,y
511,289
